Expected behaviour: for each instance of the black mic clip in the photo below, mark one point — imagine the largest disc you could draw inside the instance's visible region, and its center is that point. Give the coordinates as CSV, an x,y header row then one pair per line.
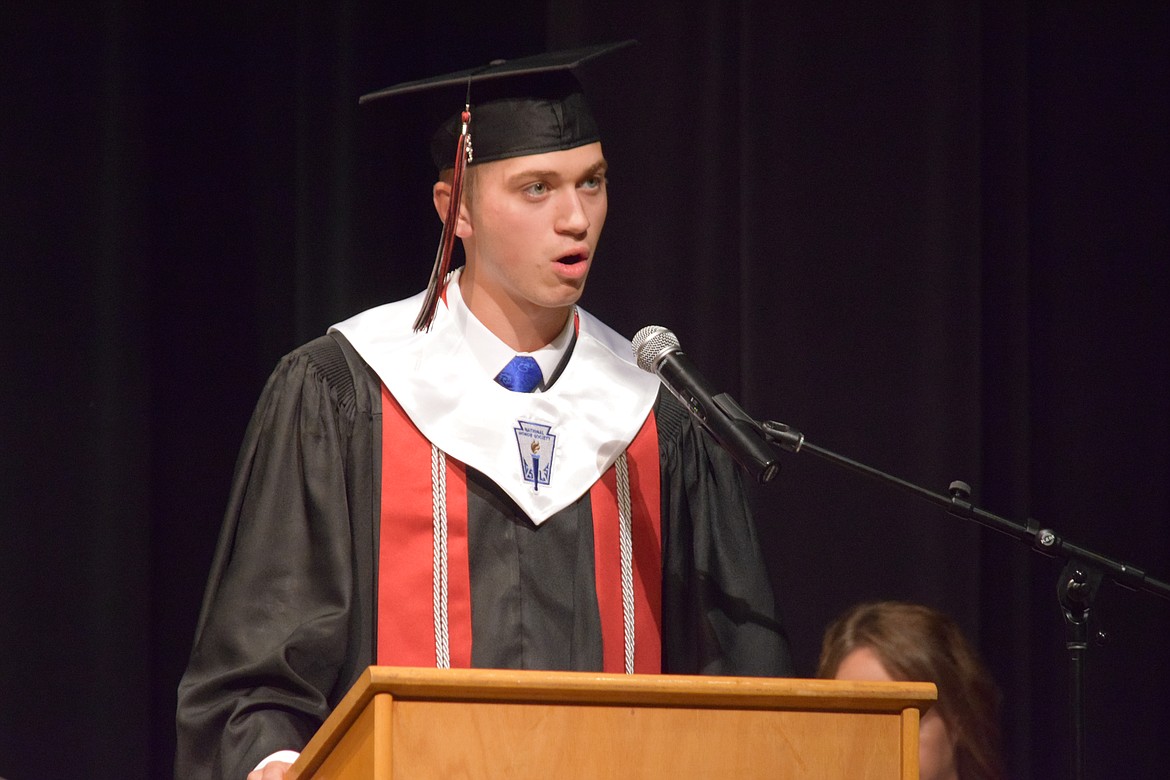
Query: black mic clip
x,y
783,435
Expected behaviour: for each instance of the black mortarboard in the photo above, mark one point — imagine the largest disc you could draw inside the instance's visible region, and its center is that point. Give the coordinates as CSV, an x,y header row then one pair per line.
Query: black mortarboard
x,y
530,105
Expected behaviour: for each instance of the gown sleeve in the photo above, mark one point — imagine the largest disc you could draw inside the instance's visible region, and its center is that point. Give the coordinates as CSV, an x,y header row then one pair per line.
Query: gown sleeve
x,y
272,639
719,613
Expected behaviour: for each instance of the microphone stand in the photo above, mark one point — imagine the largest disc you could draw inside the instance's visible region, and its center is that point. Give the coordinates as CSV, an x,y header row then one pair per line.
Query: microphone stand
x,y
1077,585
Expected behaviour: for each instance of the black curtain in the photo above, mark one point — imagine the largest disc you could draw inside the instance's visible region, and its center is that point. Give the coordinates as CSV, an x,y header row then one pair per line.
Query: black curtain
x,y
932,236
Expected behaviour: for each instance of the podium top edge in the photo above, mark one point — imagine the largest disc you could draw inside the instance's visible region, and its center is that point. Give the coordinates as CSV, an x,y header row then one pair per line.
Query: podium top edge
x,y
647,689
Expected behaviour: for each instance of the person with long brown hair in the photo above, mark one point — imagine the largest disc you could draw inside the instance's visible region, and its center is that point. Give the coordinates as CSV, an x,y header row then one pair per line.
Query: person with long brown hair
x,y
959,738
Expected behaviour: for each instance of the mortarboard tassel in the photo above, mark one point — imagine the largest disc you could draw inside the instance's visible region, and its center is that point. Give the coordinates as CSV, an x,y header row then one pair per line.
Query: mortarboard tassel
x,y
447,239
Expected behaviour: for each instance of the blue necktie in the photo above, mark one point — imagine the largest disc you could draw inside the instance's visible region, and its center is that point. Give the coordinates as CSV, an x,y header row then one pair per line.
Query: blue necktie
x,y
521,375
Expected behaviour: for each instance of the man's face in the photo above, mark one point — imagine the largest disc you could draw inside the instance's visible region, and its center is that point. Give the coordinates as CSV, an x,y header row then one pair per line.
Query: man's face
x,y
532,228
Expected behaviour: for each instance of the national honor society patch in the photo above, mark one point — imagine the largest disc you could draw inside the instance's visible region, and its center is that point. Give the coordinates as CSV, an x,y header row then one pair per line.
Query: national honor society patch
x,y
536,446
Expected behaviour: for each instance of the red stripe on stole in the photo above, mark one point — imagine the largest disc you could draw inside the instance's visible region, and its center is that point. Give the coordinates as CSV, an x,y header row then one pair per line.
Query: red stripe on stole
x,y
405,612
646,532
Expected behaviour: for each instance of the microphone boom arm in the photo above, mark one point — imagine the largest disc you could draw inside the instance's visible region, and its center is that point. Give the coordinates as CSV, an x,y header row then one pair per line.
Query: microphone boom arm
x,y
1043,540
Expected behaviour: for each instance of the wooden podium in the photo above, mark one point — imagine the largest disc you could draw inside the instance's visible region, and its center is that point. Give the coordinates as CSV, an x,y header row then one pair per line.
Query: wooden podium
x,y
476,723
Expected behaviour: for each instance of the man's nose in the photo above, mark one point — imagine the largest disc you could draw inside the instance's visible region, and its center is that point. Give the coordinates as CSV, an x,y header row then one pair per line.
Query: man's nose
x,y
572,218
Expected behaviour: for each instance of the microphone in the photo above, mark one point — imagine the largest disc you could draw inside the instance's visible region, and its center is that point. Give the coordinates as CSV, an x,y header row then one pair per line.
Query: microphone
x,y
657,350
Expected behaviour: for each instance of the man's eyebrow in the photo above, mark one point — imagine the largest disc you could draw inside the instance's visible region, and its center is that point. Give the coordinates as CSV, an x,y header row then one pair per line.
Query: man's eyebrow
x,y
601,166
532,174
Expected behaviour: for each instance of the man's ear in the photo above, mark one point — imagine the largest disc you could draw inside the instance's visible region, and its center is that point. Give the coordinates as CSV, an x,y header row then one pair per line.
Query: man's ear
x,y
441,196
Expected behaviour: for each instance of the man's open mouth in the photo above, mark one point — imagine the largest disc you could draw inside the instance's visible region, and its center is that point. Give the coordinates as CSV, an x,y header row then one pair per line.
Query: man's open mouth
x,y
574,258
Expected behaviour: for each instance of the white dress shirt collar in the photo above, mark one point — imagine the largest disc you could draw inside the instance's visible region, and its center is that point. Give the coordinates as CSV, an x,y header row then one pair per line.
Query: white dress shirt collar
x,y
491,353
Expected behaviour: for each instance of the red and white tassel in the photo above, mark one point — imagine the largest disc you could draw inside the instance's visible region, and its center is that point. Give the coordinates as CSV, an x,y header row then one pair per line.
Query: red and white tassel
x,y
447,240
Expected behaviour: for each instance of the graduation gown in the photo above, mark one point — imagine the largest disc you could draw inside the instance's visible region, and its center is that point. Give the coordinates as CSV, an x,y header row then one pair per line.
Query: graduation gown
x,y
289,616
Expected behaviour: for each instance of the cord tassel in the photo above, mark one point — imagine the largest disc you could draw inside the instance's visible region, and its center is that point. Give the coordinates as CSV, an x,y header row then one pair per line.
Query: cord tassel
x,y
447,239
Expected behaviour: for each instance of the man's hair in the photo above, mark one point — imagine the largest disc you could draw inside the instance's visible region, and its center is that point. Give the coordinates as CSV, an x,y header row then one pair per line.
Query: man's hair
x,y
918,644
468,193
469,182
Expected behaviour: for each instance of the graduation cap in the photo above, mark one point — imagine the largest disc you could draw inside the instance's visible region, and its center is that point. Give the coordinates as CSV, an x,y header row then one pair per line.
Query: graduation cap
x,y
511,108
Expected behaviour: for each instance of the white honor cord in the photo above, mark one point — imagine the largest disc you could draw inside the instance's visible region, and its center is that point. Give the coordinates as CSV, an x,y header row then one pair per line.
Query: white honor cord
x,y
439,545
439,583
626,541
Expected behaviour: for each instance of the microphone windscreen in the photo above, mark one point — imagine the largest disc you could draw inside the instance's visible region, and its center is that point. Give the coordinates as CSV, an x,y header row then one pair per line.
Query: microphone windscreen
x,y
651,344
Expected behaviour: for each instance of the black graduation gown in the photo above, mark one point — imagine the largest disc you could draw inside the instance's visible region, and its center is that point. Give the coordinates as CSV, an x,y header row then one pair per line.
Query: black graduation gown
x,y
288,619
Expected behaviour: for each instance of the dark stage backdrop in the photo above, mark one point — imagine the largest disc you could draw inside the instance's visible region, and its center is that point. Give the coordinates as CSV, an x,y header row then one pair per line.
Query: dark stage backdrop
x,y
933,236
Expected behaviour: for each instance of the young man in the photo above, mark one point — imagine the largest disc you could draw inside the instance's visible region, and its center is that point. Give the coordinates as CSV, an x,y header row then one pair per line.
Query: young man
x,y
491,482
